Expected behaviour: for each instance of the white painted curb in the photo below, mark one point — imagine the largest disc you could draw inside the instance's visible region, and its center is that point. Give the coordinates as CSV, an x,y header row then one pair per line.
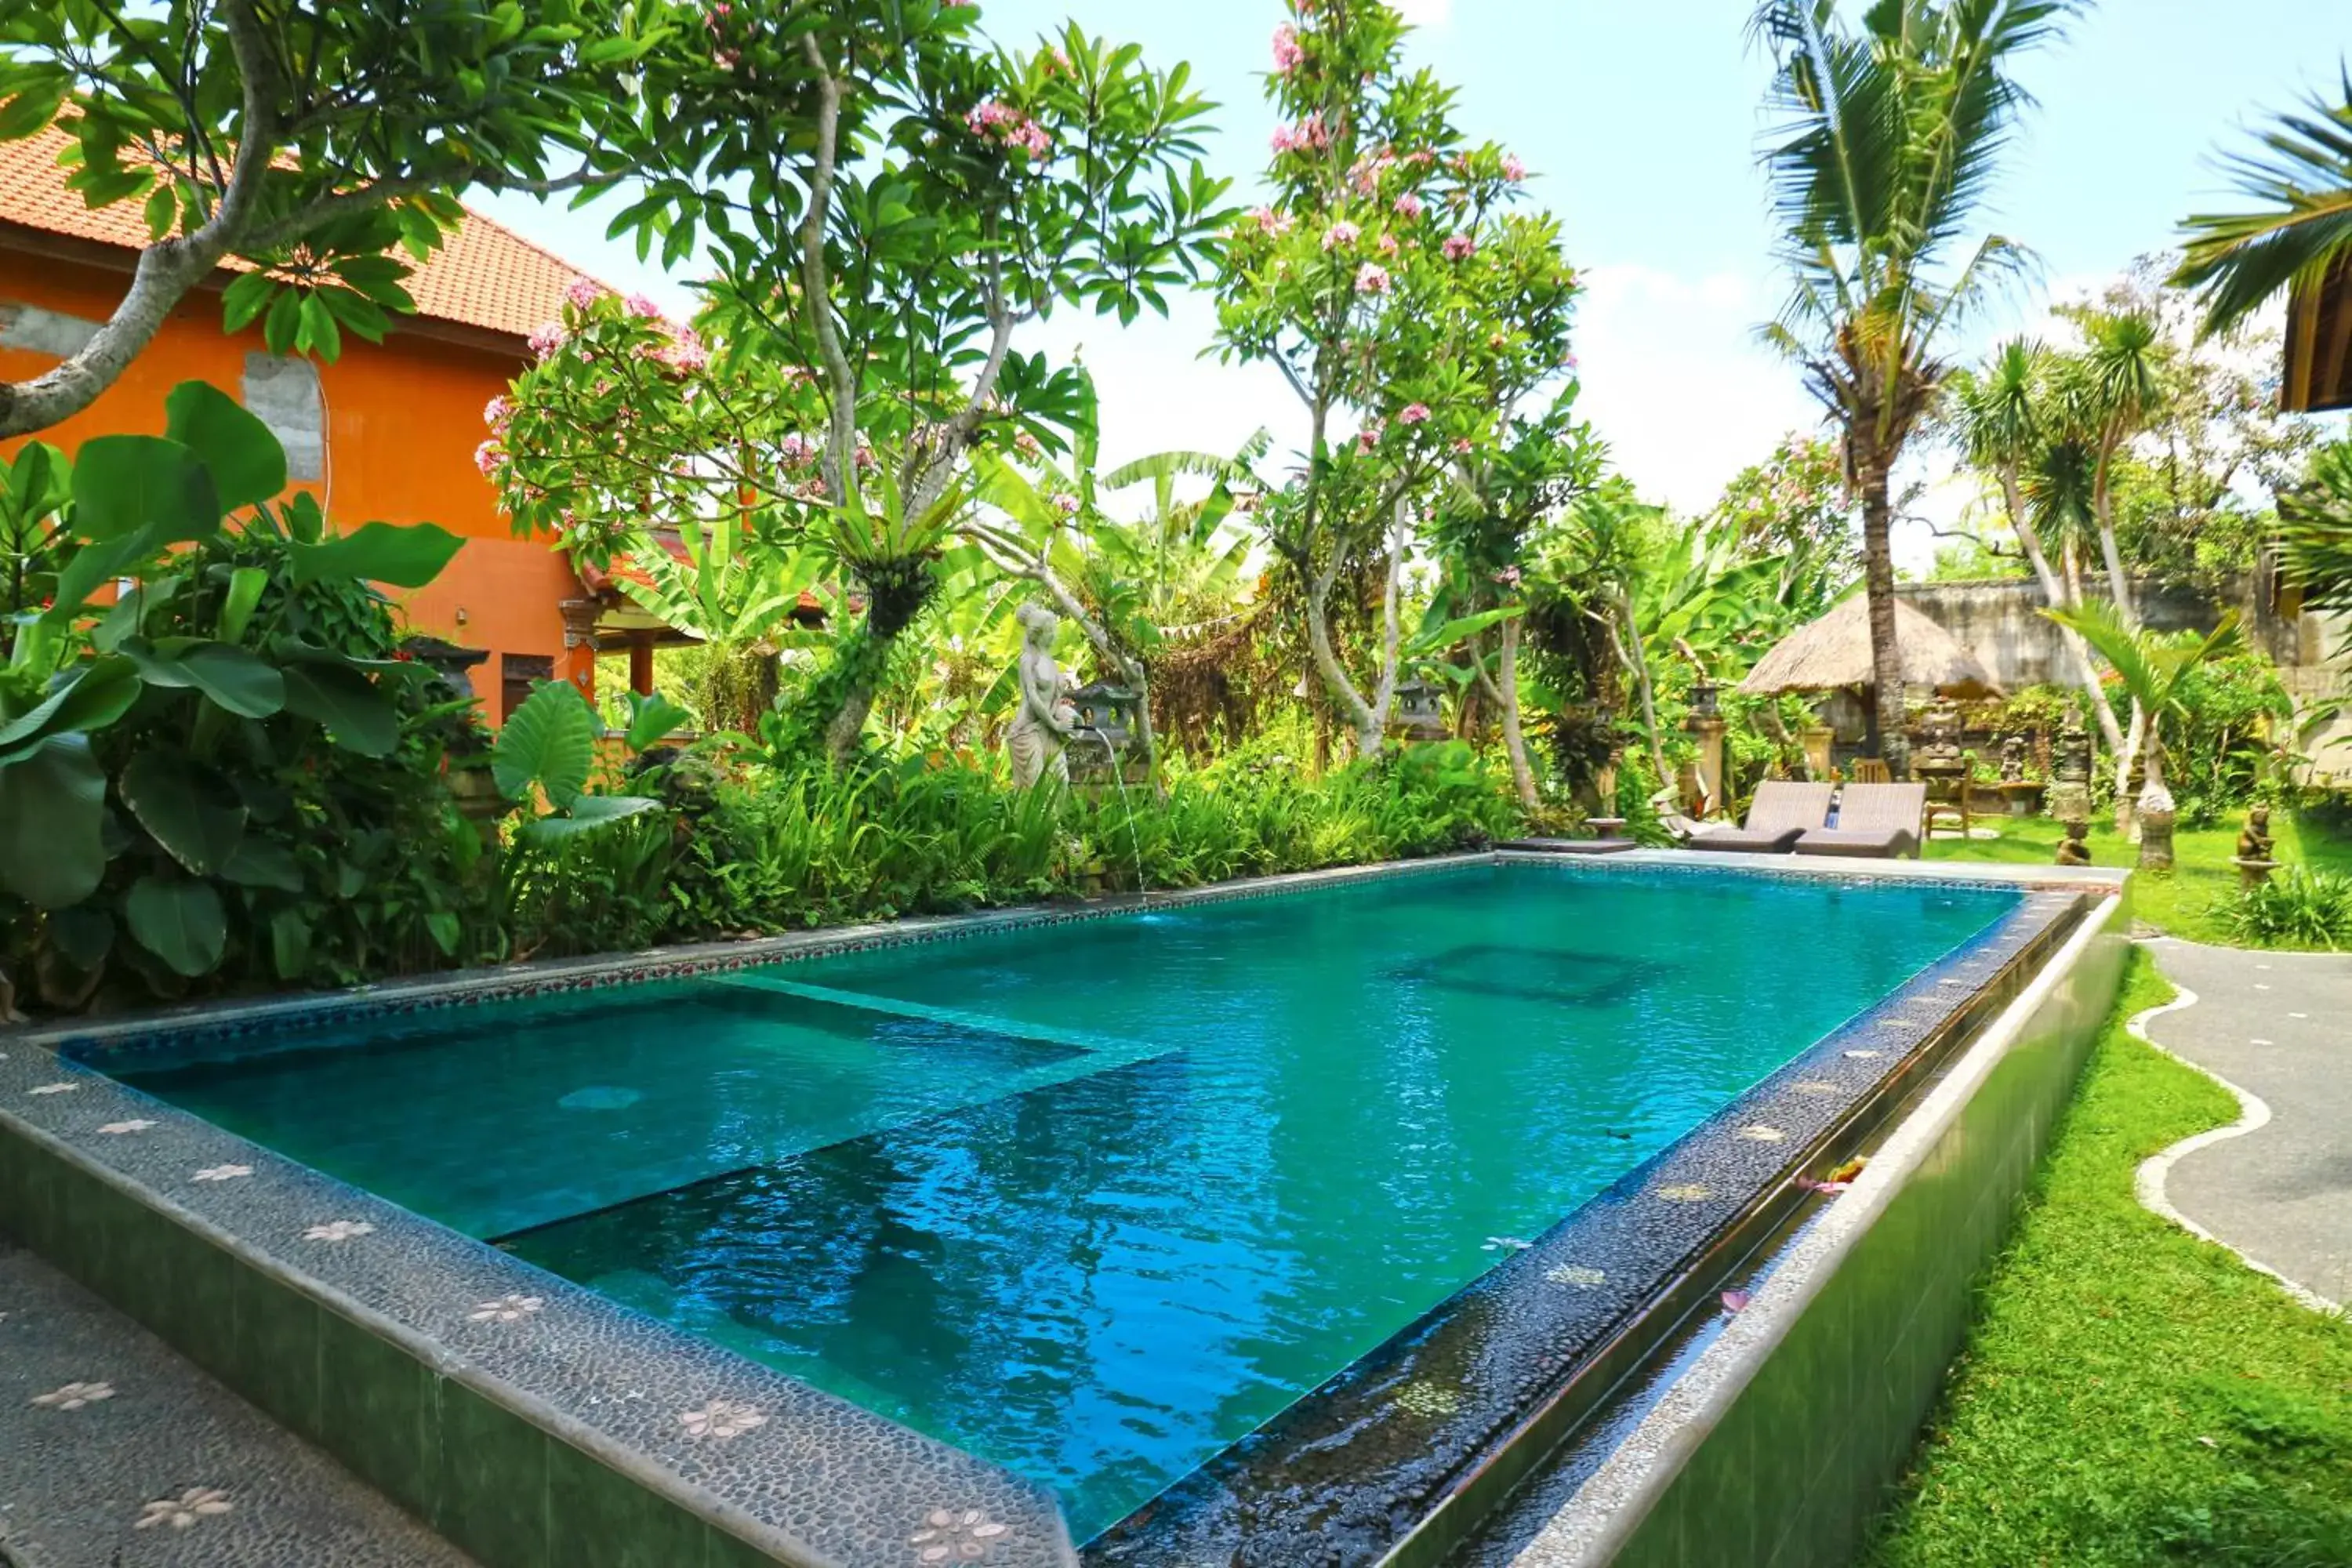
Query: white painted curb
x,y
2253,1114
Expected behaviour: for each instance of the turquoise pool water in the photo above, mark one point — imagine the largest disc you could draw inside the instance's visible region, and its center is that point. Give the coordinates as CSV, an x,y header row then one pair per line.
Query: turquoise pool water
x,y
1097,1199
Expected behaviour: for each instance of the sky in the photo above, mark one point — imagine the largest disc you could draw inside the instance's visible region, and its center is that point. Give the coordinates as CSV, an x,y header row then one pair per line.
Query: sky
x,y
1640,124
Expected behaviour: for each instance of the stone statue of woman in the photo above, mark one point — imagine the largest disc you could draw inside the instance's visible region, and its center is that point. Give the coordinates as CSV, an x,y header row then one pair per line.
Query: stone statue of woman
x,y
1041,727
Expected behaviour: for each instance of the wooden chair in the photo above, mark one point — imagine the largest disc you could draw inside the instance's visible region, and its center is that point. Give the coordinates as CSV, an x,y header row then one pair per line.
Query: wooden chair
x,y
1872,770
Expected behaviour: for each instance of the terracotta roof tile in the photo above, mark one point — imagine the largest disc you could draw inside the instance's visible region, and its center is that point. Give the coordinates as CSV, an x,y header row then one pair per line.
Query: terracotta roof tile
x,y
484,274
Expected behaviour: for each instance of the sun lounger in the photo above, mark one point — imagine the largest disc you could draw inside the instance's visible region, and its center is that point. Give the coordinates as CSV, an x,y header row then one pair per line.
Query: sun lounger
x,y
1781,814
1874,821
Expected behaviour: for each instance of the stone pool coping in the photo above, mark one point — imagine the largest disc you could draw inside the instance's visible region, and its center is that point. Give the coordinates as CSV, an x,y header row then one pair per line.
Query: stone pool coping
x,y
534,1421
1774,1437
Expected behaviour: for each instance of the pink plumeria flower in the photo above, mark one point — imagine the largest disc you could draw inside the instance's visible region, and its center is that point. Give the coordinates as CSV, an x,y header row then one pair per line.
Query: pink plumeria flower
x,y
1372,280
497,412
1286,52
643,307
1414,413
1386,245
1339,233
1513,170
581,293
549,337
1458,247
489,457
1408,205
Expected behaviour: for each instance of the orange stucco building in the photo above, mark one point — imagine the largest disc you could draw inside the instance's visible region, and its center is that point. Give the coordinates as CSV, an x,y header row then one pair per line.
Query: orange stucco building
x,y
388,431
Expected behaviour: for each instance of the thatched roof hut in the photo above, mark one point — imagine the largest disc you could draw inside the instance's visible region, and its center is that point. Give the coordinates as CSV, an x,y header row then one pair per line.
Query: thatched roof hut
x,y
1834,653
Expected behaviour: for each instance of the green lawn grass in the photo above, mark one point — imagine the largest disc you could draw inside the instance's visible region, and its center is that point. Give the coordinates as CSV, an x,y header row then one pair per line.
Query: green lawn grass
x,y
2131,1395
2194,900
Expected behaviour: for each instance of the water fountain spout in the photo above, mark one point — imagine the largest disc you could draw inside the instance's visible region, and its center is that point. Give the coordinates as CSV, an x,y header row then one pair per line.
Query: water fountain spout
x,y
1110,756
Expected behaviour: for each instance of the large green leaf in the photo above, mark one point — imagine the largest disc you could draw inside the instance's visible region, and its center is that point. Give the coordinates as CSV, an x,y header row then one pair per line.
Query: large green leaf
x,y
246,586
261,863
52,812
589,813
237,679
39,482
192,811
179,921
289,943
246,461
99,563
356,713
550,742
405,557
123,484
94,696
653,717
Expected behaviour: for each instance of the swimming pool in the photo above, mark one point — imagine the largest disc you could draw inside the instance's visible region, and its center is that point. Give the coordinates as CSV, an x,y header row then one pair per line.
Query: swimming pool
x,y
1097,1199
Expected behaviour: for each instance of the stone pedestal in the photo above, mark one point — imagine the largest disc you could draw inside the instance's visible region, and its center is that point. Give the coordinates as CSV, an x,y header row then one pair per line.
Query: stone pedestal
x,y
1707,729
2252,874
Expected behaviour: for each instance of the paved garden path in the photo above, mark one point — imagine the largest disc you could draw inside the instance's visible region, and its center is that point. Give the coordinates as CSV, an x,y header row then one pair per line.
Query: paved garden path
x,y
116,1453
2276,1187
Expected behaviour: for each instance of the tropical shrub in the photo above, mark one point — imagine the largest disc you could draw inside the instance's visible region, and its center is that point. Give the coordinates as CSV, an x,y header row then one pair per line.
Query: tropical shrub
x,y
227,773
2298,907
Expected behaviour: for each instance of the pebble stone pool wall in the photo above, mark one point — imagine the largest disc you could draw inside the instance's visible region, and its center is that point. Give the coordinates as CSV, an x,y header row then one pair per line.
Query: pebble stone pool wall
x,y
533,1422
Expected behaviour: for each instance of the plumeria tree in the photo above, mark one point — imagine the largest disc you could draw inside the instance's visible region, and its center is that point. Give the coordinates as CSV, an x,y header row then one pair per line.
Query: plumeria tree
x,y
1393,289
319,145
1485,522
872,267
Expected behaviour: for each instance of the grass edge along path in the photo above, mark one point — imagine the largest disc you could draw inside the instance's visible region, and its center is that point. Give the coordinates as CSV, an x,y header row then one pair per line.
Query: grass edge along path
x,y
2194,900
2129,1395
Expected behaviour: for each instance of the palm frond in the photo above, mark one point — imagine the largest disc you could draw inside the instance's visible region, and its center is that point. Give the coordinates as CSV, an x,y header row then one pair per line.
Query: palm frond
x,y
2301,183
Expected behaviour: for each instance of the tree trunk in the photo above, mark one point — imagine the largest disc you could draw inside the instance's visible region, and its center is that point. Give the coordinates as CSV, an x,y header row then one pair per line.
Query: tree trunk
x,y
2056,594
1878,580
2156,812
1504,690
1637,661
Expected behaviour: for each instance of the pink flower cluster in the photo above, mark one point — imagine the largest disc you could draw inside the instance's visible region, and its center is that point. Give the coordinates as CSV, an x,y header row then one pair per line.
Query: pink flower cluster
x,y
495,413
1458,247
1286,52
1067,505
549,337
684,352
1387,244
1009,126
1309,135
583,292
797,450
643,307
490,456
1272,222
1414,413
1408,205
1372,280
1339,233
1513,170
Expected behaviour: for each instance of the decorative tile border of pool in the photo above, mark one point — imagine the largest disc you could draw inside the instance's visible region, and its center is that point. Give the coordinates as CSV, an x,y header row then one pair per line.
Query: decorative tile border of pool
x,y
533,1422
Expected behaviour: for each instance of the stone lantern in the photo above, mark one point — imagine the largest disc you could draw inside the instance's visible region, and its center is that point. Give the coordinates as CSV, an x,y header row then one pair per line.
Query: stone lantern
x,y
1419,713
1108,719
2070,767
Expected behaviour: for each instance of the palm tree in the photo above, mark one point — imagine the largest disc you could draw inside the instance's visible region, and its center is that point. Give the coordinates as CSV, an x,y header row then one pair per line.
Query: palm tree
x,y
2302,227
2154,671
2001,418
1889,139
